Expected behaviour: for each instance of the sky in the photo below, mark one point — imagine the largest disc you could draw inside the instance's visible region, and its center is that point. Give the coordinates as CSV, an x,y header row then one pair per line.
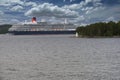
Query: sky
x,y
80,12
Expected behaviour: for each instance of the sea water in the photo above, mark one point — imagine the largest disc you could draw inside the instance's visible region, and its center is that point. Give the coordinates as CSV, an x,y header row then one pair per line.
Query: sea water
x,y
59,57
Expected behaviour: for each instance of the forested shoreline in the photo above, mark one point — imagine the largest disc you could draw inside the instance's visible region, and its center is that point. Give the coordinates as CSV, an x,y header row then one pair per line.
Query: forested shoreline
x,y
4,28
101,29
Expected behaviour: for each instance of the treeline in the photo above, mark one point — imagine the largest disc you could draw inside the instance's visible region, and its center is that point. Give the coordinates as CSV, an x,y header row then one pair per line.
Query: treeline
x,y
99,29
4,28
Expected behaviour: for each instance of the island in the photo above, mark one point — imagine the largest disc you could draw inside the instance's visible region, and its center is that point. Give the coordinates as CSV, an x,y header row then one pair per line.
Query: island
x,y
101,29
4,28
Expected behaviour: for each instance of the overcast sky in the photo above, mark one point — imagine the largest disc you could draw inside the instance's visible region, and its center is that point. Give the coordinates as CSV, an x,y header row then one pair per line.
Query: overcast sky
x,y
76,11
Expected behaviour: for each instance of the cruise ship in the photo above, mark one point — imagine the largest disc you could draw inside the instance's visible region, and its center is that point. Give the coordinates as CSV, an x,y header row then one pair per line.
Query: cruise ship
x,y
34,27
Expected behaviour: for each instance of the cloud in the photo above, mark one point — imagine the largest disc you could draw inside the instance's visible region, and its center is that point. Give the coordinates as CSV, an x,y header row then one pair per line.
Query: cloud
x,y
18,2
33,4
9,21
93,1
88,10
17,8
82,12
10,2
77,20
1,13
110,19
68,0
73,6
84,4
51,10
15,21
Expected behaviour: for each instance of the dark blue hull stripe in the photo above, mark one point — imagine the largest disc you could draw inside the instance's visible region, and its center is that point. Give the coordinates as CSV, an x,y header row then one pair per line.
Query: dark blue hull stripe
x,y
40,32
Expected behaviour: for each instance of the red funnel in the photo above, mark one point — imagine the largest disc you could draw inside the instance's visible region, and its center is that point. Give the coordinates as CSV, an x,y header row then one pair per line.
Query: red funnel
x,y
33,19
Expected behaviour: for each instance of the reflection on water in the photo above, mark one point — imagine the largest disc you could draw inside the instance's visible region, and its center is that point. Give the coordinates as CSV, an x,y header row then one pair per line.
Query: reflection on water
x,y
59,57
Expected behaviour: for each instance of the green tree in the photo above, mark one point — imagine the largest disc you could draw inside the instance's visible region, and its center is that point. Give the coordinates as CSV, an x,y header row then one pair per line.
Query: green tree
x,y
100,29
4,28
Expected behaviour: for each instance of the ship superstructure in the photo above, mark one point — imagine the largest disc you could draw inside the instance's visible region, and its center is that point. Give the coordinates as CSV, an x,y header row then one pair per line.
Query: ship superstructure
x,y
35,27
